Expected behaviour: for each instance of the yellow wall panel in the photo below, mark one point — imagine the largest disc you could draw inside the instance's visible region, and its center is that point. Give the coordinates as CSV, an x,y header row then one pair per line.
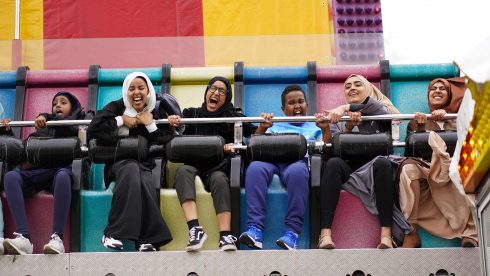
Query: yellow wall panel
x,y
7,20
265,17
33,54
5,55
31,19
271,50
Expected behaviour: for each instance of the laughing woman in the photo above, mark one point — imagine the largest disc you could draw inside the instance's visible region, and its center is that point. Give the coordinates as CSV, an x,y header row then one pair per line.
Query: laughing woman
x,y
428,198
135,213
217,103
371,180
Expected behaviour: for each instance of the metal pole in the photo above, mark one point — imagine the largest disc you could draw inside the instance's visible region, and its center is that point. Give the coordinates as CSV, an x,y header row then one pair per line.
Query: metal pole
x,y
230,120
17,20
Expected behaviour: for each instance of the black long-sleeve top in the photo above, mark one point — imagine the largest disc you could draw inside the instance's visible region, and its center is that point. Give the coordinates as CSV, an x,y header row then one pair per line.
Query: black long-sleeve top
x,y
104,128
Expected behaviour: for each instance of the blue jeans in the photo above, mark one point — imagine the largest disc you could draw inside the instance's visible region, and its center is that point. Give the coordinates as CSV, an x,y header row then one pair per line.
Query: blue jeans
x,y
294,176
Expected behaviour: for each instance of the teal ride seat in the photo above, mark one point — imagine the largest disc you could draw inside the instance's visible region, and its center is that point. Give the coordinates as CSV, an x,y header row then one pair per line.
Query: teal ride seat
x,y
409,84
430,241
95,198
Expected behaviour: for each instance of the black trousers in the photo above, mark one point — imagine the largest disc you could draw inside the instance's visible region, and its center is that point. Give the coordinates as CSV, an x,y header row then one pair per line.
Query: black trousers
x,y
336,172
135,210
218,182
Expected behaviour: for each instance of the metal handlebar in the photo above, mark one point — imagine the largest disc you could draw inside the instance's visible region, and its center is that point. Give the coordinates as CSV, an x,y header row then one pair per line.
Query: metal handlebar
x,y
386,117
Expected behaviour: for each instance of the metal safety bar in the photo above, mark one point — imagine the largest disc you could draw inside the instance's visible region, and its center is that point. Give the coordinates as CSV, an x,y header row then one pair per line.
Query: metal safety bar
x,y
238,125
386,117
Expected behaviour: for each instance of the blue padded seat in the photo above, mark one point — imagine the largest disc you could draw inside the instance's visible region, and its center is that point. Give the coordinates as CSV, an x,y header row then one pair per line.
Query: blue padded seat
x,y
261,83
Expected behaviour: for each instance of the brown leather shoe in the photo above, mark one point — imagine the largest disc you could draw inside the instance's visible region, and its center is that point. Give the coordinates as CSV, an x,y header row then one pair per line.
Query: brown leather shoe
x,y
468,242
411,240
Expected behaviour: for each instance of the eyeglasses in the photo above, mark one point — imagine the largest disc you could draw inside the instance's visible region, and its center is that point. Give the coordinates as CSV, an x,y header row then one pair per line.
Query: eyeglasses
x,y
221,91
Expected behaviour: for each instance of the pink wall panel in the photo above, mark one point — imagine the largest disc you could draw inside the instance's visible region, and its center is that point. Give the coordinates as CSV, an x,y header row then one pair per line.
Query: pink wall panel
x,y
124,52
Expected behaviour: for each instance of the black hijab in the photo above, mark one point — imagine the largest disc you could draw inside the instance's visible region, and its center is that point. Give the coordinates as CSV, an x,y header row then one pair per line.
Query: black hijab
x,y
227,105
226,110
76,111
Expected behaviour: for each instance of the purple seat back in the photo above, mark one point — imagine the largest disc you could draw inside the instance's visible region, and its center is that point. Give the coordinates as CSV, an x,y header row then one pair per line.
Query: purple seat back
x,y
39,210
353,226
41,86
330,82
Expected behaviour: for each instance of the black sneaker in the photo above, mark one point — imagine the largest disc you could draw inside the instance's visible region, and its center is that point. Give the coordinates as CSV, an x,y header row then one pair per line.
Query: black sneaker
x,y
146,247
227,243
197,237
112,243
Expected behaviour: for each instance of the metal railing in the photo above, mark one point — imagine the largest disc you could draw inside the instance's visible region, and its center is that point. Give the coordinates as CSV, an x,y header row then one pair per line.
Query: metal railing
x,y
238,121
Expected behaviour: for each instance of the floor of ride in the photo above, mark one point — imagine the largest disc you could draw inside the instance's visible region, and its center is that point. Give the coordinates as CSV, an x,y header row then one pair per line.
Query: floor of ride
x,y
459,261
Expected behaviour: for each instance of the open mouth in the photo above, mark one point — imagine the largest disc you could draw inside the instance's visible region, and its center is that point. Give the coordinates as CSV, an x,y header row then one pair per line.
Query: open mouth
x,y
213,102
59,112
137,100
297,113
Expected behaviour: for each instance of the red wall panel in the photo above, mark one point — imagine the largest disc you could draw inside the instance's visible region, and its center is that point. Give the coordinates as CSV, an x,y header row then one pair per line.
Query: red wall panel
x,y
122,18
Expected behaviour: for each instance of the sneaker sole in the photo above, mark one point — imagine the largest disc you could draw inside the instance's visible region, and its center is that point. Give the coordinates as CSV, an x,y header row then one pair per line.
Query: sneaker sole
x,y
248,241
284,245
228,247
12,249
51,250
198,246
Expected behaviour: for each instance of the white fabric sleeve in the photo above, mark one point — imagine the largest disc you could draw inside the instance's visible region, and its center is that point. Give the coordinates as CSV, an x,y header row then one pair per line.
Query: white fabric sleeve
x,y
151,127
119,121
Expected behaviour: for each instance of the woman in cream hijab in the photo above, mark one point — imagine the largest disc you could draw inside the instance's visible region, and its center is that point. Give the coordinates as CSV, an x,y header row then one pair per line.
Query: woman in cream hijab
x,y
371,180
428,197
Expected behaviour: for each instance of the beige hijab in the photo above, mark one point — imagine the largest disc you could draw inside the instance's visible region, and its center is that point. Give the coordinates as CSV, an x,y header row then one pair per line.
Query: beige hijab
x,y
375,93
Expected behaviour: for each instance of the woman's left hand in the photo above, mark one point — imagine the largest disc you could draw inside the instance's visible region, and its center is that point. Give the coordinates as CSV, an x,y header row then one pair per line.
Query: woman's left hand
x,y
438,114
173,121
145,118
229,148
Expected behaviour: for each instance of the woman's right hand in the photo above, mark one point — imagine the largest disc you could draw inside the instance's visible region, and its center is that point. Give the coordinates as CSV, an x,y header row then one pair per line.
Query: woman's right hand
x,y
420,118
174,121
6,124
130,122
40,122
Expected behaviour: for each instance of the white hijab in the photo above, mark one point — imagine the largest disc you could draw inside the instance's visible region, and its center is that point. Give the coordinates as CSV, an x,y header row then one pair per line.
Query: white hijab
x,y
150,100
130,111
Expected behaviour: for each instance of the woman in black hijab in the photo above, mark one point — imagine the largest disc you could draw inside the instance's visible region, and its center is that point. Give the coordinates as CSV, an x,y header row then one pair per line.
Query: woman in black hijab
x,y
217,103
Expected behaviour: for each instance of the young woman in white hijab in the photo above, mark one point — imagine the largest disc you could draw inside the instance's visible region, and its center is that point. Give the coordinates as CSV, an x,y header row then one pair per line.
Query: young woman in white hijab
x,y
135,213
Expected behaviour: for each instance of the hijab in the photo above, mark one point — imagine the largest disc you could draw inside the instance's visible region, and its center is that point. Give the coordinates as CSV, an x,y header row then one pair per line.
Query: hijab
x,y
227,105
226,110
373,92
455,88
130,111
76,111
150,100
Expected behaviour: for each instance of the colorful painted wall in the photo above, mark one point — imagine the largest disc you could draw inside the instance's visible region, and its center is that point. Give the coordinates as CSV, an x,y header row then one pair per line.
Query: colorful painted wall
x,y
60,34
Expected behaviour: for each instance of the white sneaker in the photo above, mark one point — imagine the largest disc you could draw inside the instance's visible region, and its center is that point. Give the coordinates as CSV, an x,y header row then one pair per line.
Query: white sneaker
x,y
18,246
1,246
54,246
112,243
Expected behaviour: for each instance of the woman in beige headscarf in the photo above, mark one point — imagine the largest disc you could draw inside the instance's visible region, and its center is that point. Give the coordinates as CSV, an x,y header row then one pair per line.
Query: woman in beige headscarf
x,y
428,197
371,180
